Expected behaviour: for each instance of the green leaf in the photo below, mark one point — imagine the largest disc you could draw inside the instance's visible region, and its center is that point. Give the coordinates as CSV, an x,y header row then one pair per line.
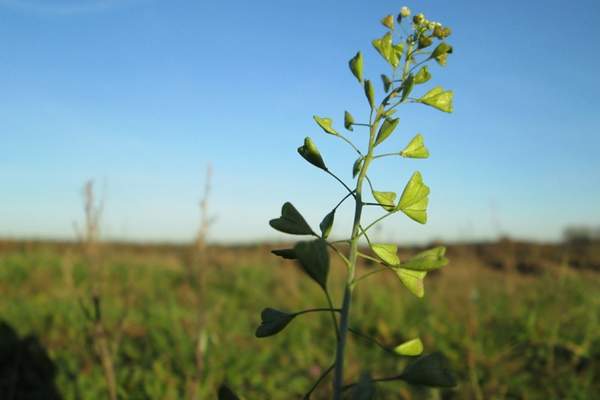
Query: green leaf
x,y
438,98
413,280
311,153
424,41
416,148
427,260
273,322
291,221
387,82
390,52
356,66
383,45
327,224
348,121
370,93
388,253
365,389
441,52
314,259
386,129
325,124
430,370
288,254
398,49
357,166
225,393
407,87
387,200
388,21
415,198
423,75
412,347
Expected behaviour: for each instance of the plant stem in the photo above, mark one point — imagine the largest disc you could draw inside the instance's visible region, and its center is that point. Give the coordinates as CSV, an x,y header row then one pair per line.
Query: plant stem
x,y
366,275
338,378
316,310
323,375
341,181
335,324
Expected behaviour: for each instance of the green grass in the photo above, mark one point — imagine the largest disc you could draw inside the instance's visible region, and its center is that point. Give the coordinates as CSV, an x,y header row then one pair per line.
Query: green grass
x,y
508,336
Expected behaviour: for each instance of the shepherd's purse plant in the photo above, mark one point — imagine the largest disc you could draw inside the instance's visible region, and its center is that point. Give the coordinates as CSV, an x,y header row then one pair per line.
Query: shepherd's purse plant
x,y
409,45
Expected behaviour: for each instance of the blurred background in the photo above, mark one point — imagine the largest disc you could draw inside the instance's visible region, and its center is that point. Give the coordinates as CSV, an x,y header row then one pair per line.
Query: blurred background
x,y
146,144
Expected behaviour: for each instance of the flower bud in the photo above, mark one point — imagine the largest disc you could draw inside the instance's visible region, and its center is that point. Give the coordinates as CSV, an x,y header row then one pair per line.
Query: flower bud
x,y
419,19
404,12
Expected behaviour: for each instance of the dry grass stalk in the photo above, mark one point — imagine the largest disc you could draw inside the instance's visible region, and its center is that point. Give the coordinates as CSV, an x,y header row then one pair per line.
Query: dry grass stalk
x,y
91,249
199,261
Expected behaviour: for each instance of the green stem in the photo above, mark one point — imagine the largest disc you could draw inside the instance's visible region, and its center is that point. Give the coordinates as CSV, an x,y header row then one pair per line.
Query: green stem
x,y
386,155
364,231
345,139
376,271
342,200
367,257
338,378
371,340
339,253
323,375
335,324
341,181
316,310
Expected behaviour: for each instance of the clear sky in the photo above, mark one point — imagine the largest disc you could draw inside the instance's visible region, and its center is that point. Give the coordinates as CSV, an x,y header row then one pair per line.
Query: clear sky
x,y
142,94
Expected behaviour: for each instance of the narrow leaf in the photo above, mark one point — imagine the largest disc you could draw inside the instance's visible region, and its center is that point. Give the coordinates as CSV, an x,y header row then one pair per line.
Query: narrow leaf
x,y
314,260
415,198
412,347
407,87
370,93
291,221
423,75
386,129
327,224
416,148
357,166
288,254
388,253
325,124
430,370
438,98
310,153
348,121
356,66
427,260
387,200
412,280
387,82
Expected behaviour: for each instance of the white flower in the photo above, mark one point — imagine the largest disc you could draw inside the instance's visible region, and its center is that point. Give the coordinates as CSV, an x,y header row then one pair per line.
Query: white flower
x,y
405,12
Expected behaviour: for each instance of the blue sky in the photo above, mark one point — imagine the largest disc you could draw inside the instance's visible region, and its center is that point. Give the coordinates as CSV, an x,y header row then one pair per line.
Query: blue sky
x,y
142,94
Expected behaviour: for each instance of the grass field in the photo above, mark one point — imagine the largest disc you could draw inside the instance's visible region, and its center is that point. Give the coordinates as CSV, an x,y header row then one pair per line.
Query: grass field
x,y
529,332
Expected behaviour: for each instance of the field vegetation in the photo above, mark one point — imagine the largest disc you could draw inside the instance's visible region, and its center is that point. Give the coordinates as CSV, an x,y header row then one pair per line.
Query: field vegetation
x,y
516,320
